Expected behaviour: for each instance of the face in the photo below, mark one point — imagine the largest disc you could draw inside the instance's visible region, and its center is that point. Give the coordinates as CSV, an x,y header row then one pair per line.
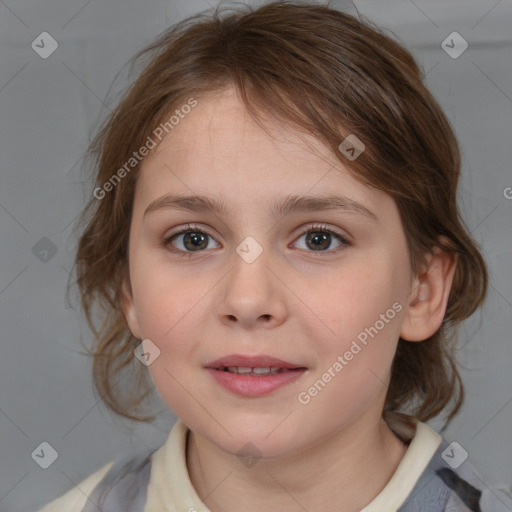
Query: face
x,y
315,294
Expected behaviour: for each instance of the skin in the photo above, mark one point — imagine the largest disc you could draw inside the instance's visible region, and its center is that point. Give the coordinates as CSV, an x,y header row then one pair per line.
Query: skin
x,y
293,302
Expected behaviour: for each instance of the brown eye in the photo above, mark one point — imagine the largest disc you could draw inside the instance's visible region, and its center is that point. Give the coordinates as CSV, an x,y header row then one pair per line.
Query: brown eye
x,y
188,240
194,240
320,239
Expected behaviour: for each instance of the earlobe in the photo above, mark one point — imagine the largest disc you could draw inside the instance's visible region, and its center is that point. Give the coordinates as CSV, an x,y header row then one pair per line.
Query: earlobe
x,y
129,309
429,296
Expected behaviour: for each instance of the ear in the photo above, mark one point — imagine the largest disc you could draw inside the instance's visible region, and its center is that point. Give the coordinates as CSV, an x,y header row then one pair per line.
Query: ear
x,y
429,295
129,307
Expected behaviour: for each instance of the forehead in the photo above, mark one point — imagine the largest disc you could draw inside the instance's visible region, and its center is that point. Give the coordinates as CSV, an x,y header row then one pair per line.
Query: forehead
x,y
219,149
220,129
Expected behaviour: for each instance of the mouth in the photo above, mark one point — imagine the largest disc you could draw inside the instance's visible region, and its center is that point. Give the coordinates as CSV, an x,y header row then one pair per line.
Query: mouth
x,y
254,371
253,365
254,376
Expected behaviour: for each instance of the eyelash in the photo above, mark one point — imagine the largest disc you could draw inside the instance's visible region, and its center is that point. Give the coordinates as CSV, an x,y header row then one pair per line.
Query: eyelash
x,y
313,228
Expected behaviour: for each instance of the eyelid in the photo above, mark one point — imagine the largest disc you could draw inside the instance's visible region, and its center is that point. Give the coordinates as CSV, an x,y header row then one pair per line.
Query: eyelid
x,y
320,226
185,229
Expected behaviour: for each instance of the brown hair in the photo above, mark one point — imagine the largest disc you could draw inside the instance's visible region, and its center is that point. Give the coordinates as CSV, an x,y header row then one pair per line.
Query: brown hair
x,y
326,73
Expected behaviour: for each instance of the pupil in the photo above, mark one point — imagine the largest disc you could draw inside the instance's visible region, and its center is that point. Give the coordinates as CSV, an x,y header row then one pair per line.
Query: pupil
x,y
319,237
197,239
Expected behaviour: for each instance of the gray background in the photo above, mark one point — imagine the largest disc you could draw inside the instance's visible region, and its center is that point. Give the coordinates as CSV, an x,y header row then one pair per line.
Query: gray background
x,y
48,108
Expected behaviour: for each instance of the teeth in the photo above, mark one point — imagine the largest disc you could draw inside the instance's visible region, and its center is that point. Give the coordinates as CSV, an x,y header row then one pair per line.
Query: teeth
x,y
261,371
245,370
240,369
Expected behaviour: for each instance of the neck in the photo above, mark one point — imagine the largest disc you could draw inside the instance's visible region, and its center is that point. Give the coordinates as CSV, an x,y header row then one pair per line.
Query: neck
x,y
343,473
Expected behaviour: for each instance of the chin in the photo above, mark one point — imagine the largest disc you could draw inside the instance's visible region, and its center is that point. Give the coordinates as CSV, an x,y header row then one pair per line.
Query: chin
x,y
254,437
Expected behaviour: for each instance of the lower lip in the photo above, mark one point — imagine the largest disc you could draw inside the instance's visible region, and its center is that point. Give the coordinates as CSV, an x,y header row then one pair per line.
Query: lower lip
x,y
249,385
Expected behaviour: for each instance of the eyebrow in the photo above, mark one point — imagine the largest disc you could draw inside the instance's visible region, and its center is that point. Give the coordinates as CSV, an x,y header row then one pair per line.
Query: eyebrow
x,y
281,208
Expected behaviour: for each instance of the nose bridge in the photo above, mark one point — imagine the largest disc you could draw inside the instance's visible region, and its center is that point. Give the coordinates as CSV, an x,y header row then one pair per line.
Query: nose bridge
x,y
251,290
251,263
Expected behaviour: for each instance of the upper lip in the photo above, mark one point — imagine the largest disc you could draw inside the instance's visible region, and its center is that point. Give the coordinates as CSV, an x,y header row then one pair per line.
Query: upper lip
x,y
262,361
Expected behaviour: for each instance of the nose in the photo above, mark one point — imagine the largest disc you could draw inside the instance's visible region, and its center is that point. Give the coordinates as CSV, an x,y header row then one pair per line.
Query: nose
x,y
253,295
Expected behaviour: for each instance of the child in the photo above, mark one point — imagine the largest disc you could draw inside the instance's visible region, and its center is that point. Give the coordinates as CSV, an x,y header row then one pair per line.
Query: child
x,y
274,236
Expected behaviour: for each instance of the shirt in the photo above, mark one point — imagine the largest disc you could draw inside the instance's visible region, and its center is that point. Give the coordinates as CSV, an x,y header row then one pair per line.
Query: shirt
x,y
433,476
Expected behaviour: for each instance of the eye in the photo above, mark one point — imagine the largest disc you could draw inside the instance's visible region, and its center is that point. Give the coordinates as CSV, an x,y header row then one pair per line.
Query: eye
x,y
192,239
319,238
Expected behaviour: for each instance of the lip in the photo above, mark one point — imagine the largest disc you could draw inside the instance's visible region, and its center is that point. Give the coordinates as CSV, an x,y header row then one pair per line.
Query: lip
x,y
252,361
250,385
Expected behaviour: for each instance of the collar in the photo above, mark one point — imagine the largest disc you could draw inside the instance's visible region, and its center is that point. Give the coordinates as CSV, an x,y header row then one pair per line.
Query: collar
x,y
170,488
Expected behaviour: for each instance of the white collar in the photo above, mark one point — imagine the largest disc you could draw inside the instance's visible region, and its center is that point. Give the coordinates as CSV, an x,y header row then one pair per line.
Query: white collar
x,y
171,490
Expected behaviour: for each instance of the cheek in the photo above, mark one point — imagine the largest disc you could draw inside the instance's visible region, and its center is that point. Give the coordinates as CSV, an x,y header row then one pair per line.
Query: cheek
x,y
164,298
363,308
354,363
356,298
172,308
171,314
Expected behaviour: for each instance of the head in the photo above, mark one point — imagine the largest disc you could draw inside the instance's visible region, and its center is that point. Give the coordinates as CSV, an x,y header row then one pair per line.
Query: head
x,y
248,109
